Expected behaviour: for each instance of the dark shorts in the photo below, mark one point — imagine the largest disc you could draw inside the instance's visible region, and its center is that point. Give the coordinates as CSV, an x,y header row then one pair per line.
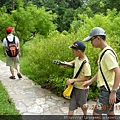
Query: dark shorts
x,y
102,104
78,98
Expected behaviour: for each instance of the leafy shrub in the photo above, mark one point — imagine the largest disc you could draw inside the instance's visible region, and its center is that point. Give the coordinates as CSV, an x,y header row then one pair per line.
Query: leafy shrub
x,y
40,54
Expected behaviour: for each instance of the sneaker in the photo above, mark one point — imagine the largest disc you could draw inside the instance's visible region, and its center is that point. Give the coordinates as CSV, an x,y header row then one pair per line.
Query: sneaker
x,y
19,75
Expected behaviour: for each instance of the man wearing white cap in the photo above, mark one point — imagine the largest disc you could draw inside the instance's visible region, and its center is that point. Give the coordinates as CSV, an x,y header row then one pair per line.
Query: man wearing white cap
x,y
108,65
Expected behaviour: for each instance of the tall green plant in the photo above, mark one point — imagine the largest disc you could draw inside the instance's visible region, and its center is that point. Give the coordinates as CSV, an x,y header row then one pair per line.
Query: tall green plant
x,y
5,20
41,55
32,20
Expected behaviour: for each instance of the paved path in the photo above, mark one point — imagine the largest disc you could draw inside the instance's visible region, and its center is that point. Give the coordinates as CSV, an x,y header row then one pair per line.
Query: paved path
x,y
31,99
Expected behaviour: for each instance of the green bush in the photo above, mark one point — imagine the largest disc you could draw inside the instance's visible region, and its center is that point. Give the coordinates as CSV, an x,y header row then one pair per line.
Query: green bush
x,y
40,54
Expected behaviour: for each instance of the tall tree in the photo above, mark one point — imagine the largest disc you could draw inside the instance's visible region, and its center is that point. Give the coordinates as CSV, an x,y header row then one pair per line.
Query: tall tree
x,y
75,3
101,6
27,22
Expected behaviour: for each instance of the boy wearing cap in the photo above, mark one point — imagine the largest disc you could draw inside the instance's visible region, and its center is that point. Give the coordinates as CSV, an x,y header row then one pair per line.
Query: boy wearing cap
x,y
11,61
79,95
110,69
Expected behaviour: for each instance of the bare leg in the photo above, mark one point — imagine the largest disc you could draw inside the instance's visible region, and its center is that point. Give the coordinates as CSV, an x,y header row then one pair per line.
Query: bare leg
x,y
18,68
84,109
70,114
12,70
18,71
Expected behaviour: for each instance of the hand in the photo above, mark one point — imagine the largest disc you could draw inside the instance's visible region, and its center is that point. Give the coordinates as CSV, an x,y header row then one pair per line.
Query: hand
x,y
112,98
65,64
19,54
70,81
86,84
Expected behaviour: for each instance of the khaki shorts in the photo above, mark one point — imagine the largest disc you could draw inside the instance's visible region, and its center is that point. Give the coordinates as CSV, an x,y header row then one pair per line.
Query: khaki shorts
x,y
12,61
78,98
102,104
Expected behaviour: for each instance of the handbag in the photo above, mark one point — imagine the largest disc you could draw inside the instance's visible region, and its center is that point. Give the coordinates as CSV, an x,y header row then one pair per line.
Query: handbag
x,y
118,91
67,92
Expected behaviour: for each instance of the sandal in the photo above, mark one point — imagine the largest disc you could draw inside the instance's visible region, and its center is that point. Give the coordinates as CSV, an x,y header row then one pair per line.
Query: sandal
x,y
19,75
12,77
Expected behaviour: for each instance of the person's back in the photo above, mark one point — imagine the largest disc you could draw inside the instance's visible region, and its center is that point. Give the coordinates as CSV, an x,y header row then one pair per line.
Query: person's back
x,y
11,61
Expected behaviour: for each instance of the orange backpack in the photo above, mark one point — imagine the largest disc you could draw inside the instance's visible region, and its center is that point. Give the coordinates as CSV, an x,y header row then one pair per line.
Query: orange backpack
x,y
12,50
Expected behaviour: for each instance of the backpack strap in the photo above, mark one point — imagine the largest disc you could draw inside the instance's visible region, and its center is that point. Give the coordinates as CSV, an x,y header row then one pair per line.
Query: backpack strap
x,y
9,41
80,68
104,79
101,68
14,39
104,53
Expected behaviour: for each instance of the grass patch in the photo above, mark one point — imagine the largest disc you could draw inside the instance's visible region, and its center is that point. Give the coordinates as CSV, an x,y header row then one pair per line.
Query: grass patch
x,y
7,106
2,57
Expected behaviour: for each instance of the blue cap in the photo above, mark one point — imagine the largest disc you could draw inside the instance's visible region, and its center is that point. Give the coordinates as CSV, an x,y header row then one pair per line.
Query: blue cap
x,y
78,45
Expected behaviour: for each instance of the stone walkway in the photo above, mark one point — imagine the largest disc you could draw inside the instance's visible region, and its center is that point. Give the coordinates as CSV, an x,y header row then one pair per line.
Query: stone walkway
x,y
31,99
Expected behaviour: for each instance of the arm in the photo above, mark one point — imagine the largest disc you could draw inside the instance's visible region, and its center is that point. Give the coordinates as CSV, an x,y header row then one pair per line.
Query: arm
x,y
117,78
70,81
70,64
89,82
4,47
112,97
4,50
18,44
93,79
86,84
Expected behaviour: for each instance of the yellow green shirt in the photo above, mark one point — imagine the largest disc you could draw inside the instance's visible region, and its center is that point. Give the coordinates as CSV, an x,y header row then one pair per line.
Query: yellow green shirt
x,y
108,62
85,71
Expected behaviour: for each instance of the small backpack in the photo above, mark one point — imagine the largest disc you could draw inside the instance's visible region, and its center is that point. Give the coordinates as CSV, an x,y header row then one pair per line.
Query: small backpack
x,y
12,49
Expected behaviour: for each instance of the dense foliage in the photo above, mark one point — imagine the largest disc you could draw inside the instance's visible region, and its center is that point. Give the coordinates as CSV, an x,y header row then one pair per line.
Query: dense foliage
x,y
27,21
66,10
